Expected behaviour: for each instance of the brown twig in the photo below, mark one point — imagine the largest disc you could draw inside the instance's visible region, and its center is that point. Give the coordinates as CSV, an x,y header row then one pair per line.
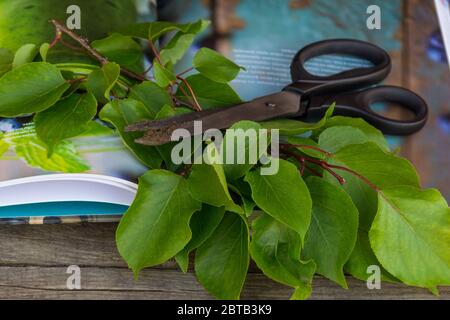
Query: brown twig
x,y
185,71
155,52
194,98
60,29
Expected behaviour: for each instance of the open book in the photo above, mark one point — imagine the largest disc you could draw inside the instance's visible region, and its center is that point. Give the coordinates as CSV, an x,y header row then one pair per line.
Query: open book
x,y
60,198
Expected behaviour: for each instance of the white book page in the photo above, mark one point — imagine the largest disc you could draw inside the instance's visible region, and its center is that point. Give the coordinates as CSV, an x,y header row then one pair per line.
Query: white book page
x,y
443,11
67,187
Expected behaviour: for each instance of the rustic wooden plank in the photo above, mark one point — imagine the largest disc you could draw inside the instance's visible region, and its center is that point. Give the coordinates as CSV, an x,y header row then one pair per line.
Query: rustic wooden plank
x,y
118,283
34,260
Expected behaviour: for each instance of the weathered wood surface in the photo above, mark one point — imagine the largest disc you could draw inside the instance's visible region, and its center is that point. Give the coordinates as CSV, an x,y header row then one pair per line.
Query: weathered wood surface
x,y
34,261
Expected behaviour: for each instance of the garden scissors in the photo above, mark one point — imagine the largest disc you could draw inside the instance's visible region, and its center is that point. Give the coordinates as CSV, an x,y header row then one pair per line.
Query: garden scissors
x,y
310,96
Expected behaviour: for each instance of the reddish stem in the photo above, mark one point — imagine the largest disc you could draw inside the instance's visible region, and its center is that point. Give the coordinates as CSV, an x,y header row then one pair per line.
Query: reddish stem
x,y
185,71
60,29
302,146
155,51
364,179
194,98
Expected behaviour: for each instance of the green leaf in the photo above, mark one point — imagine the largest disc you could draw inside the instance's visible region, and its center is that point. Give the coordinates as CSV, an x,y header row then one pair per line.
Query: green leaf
x,y
362,257
202,224
365,199
332,234
176,48
24,54
163,77
207,184
156,226
284,196
4,146
381,168
214,66
222,261
276,250
236,145
121,49
64,158
66,119
154,30
95,128
411,236
43,51
289,127
306,142
371,132
30,88
121,113
151,95
209,94
6,60
335,138
101,81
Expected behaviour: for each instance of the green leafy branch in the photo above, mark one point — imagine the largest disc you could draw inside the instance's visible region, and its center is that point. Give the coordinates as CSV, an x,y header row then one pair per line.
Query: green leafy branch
x,y
339,203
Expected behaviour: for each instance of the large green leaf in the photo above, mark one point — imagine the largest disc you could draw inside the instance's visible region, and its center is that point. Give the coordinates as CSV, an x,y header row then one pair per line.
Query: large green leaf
x,y
284,196
371,132
276,250
290,127
209,94
156,226
334,225
363,257
6,60
214,66
335,138
163,76
151,95
67,118
381,168
364,197
411,236
207,183
202,224
122,113
25,54
241,144
222,261
101,81
176,48
121,49
30,88
64,158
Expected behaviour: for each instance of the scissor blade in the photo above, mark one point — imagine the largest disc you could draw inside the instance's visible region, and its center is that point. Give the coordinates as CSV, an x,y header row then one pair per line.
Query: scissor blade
x,y
277,105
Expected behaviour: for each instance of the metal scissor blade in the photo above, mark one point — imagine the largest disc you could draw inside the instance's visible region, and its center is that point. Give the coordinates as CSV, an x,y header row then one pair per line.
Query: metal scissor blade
x,y
277,105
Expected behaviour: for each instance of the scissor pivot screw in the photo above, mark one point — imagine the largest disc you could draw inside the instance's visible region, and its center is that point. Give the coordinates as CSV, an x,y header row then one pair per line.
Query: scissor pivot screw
x,y
271,105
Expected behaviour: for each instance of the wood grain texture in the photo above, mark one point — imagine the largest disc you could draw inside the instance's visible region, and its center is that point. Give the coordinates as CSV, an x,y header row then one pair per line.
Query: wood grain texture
x,y
34,261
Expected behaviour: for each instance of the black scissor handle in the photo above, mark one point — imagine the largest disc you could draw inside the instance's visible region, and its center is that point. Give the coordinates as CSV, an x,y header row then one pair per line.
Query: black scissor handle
x,y
346,80
358,104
